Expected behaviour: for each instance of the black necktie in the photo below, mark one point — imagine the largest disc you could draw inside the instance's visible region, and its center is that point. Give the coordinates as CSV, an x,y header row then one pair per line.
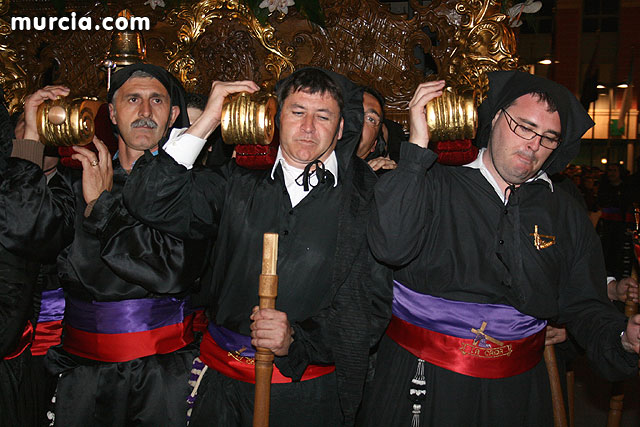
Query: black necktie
x,y
320,171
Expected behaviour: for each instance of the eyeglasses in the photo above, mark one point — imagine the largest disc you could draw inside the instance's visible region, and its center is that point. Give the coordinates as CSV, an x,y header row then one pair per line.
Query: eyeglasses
x,y
529,134
372,120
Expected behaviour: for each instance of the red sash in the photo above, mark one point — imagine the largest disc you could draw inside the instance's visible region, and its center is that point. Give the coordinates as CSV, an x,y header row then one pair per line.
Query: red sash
x,y
130,345
243,368
47,335
466,357
25,340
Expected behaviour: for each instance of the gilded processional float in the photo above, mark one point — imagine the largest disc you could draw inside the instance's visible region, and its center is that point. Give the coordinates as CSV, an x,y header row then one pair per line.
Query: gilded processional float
x,y
200,42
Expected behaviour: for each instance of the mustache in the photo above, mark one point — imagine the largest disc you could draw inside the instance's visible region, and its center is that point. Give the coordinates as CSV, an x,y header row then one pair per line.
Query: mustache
x,y
144,122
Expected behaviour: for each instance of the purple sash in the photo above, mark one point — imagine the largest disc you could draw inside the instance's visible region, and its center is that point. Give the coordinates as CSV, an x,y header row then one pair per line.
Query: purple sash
x,y
457,318
51,306
117,317
231,341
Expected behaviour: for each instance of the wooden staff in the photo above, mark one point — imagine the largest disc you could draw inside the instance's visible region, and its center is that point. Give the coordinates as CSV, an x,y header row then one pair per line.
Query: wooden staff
x,y
559,414
267,291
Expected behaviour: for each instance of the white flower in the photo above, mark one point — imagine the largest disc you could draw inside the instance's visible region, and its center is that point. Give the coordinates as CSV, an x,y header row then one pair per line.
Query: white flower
x,y
154,3
280,5
529,6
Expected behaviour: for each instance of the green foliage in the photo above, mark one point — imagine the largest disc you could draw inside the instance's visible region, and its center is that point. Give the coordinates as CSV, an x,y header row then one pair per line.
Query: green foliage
x,y
311,10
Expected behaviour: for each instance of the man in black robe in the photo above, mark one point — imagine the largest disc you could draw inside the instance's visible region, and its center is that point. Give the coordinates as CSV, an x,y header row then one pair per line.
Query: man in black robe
x,y
485,255
333,299
17,285
372,147
127,349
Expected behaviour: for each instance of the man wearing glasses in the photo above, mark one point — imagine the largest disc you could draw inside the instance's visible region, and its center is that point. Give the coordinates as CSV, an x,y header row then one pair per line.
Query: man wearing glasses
x,y
484,255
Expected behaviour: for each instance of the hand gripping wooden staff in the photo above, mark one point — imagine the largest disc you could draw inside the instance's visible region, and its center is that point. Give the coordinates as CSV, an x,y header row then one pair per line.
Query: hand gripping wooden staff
x,y
267,291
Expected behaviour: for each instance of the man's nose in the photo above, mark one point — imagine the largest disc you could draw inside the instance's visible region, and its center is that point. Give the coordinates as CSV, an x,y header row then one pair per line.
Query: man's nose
x,y
535,142
145,109
308,125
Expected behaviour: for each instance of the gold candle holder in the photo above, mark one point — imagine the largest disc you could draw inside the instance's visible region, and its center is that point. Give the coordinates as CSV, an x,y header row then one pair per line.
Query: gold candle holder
x,y
452,116
64,122
249,118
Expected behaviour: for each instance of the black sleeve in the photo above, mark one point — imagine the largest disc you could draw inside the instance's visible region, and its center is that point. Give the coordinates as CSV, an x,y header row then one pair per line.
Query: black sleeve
x,y
17,284
171,198
398,230
36,219
590,317
137,253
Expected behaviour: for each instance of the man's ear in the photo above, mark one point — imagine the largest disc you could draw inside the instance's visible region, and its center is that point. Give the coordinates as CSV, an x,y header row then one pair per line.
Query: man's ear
x,y
495,118
112,115
175,112
340,129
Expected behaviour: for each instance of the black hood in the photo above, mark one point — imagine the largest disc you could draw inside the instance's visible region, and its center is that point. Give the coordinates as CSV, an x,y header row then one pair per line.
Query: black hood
x,y
352,113
506,86
173,86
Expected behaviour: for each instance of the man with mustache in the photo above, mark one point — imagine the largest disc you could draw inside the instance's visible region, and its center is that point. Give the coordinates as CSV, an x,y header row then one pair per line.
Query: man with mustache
x,y
127,346
484,255
333,299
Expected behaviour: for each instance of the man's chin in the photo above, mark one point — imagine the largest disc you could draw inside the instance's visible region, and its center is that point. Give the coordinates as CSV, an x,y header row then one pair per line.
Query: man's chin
x,y
142,144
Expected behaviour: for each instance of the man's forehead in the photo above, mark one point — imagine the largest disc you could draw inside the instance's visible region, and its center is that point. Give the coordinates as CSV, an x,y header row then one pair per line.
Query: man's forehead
x,y
139,84
318,100
533,110
306,92
369,102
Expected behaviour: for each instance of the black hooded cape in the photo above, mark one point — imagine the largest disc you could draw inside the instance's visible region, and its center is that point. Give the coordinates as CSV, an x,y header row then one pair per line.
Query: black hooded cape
x,y
105,256
173,86
335,295
506,86
448,234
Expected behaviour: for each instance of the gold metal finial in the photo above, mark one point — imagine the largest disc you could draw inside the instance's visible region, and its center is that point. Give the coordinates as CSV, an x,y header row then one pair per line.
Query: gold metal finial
x,y
452,116
249,118
64,122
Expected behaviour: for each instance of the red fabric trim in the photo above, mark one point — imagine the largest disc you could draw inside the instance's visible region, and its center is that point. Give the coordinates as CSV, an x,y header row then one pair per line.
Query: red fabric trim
x,y
256,156
461,356
457,152
25,340
200,321
243,368
128,346
47,335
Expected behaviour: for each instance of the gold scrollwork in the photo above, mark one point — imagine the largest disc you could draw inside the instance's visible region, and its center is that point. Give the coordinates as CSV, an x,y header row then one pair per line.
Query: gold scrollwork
x,y
478,42
200,15
12,76
12,79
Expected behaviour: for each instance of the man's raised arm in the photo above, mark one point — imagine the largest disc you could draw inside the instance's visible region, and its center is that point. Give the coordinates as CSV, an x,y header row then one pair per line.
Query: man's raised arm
x,y
185,145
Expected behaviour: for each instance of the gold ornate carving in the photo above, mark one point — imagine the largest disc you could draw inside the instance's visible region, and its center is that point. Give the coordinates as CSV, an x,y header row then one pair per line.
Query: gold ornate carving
x,y
198,17
12,76
221,40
